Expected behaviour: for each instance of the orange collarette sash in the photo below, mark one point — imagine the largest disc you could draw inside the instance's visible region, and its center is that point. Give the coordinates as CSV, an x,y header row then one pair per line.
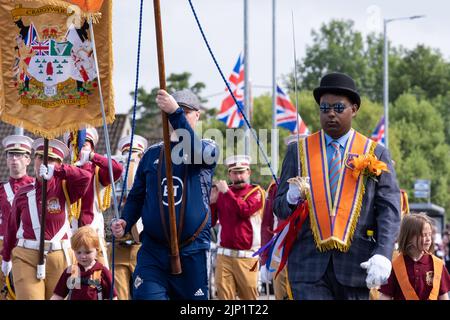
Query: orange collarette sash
x,y
398,264
333,222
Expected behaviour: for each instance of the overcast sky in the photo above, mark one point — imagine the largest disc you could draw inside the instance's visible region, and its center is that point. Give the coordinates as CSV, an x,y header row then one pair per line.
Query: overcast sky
x,y
222,21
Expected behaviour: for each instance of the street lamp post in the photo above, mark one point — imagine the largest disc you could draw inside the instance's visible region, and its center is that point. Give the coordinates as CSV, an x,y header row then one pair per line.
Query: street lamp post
x,y
386,75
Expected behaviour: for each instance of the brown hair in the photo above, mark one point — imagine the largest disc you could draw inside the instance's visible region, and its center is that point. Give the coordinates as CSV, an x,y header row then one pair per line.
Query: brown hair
x,y
85,237
412,226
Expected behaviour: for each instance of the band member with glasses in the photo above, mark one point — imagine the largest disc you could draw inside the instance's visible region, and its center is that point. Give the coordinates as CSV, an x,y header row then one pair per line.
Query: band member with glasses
x,y
345,244
18,151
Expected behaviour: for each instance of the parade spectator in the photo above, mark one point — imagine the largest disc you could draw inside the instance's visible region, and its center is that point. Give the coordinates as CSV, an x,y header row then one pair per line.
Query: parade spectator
x,y
353,214
417,274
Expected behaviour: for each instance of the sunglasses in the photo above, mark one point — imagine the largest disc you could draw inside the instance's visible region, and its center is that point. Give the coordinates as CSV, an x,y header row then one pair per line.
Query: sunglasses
x,y
338,107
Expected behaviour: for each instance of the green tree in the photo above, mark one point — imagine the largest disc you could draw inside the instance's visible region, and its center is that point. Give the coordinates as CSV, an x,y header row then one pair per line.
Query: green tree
x,y
338,47
423,71
419,133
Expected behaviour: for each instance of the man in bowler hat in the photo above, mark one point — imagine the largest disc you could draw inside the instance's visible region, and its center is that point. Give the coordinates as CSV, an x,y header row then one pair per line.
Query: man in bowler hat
x,y
345,244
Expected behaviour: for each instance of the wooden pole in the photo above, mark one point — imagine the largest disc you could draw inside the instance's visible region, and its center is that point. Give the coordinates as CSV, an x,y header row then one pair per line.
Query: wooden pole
x,y
174,251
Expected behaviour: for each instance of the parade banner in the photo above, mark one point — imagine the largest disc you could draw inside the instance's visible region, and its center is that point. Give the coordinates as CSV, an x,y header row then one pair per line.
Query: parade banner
x,y
48,82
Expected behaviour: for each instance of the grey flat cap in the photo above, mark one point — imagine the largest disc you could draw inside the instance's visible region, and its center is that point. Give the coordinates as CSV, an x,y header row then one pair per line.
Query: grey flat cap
x,y
186,98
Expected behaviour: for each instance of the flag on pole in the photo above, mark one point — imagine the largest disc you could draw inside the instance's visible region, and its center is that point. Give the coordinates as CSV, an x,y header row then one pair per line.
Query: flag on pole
x,y
378,133
229,112
48,79
286,114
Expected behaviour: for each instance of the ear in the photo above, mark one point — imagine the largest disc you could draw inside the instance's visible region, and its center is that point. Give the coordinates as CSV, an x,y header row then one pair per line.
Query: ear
x,y
354,110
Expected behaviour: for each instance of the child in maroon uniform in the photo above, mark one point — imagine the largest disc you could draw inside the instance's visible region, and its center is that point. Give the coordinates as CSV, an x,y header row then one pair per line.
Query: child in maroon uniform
x,y
88,279
416,273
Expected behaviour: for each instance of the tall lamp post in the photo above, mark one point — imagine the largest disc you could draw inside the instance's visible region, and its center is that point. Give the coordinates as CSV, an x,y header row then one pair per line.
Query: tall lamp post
x,y
386,75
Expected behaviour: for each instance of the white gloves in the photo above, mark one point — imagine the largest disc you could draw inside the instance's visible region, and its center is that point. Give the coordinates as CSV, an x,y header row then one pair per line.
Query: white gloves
x,y
46,172
84,158
6,267
293,194
378,270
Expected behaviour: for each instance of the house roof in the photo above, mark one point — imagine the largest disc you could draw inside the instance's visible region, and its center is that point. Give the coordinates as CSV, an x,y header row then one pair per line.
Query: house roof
x,y
120,127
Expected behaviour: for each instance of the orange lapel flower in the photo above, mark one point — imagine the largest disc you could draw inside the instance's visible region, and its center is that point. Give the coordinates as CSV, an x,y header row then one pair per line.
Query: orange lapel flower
x,y
368,165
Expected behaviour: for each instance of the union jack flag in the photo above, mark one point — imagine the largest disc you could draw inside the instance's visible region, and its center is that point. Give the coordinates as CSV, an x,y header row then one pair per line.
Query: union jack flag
x,y
41,48
286,114
229,112
31,36
378,133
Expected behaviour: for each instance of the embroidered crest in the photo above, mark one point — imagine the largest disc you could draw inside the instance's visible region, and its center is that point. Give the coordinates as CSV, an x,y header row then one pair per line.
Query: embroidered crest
x,y
429,278
53,206
53,68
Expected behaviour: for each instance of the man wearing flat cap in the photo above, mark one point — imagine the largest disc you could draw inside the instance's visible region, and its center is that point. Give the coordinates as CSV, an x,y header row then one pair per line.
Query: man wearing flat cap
x,y
18,152
65,185
353,195
193,164
238,208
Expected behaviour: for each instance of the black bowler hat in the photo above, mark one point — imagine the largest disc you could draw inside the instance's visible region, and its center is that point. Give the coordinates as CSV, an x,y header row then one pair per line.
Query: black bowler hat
x,y
340,84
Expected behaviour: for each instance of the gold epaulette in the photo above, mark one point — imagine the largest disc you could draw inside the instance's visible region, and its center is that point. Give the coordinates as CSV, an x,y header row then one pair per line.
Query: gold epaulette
x,y
263,196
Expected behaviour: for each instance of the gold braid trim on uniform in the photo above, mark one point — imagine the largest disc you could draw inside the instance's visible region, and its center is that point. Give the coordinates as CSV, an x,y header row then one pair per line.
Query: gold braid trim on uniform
x,y
106,203
263,197
75,208
74,146
11,295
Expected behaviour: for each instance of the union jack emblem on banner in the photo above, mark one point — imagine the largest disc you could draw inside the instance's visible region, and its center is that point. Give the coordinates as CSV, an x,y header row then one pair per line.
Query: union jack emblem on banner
x,y
286,114
41,48
229,112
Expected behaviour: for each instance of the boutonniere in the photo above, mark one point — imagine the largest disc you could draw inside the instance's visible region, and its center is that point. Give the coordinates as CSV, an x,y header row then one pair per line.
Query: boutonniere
x,y
368,165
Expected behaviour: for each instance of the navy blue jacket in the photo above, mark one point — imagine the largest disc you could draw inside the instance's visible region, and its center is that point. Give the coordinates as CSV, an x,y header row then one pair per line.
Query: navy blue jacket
x,y
193,164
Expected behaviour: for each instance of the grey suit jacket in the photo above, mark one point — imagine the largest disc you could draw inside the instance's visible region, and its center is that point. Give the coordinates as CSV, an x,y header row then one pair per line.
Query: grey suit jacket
x,y
380,212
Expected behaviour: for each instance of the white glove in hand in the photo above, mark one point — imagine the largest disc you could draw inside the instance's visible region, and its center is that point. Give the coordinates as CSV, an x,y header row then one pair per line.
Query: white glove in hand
x,y
378,270
84,158
6,267
46,172
293,194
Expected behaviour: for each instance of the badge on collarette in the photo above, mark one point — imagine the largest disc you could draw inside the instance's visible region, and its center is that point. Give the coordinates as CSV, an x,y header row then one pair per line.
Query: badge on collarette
x,y
348,160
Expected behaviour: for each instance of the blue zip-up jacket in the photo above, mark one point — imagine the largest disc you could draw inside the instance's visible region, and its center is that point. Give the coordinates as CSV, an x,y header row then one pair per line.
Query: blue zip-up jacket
x,y
192,157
